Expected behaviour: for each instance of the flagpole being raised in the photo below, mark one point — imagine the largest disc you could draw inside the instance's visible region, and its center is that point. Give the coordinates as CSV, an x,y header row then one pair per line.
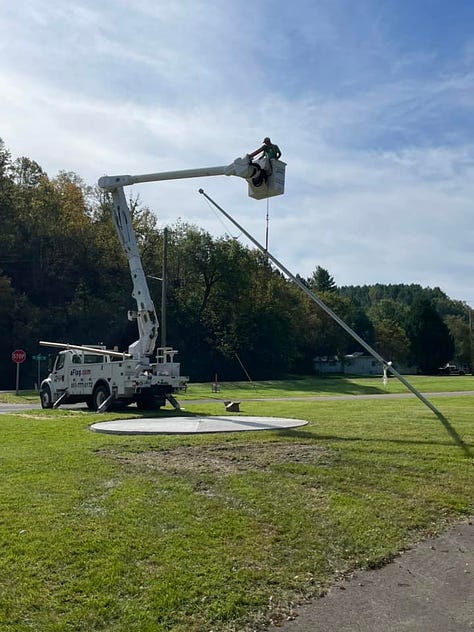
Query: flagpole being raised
x,y
386,365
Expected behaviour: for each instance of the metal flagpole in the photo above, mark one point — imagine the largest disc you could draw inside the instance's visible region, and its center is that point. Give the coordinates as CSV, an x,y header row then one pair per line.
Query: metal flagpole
x,y
164,281
351,332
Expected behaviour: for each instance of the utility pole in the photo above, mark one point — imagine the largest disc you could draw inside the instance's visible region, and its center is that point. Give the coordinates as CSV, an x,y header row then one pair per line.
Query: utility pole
x,y
164,274
470,340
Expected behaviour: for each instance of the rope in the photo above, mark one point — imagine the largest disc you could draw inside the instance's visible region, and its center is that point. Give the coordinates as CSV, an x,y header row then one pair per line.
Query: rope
x,y
266,226
219,217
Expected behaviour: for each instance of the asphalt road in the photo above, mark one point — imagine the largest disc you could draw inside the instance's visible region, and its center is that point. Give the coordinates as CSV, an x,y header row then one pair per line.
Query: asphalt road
x,y
429,588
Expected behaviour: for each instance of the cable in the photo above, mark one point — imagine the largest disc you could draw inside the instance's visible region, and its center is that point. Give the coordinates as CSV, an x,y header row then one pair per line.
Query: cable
x,y
267,221
219,217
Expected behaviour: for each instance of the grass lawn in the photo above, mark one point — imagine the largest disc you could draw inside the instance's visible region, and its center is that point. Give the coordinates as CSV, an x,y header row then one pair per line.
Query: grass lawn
x,y
219,532
312,386
23,397
299,386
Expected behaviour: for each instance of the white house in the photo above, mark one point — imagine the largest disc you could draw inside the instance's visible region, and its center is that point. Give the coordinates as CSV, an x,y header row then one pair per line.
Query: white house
x,y
356,363
353,364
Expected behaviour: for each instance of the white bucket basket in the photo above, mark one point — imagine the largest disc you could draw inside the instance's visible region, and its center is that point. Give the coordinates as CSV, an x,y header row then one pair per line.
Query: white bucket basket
x,y
275,184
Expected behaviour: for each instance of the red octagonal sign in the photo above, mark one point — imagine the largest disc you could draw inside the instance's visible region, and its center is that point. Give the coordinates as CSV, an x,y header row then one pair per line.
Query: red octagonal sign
x,y
18,356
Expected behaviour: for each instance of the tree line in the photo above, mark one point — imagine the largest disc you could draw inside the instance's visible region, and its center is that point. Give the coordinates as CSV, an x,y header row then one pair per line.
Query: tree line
x,y
63,277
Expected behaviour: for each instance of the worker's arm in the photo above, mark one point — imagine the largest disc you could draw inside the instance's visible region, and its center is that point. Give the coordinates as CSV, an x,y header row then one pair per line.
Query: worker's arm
x,y
257,151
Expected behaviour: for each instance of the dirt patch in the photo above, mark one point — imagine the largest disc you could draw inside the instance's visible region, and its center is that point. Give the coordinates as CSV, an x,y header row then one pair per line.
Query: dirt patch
x,y
226,459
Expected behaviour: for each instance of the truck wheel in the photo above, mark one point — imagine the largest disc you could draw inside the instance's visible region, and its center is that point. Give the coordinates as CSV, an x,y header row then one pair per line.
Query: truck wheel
x,y
100,394
46,397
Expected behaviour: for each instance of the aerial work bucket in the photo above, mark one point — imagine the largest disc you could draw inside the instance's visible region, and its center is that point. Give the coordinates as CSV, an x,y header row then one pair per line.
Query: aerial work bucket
x,y
274,184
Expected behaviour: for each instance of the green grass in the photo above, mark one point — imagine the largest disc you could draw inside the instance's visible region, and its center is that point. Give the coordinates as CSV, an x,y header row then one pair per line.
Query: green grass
x,y
217,532
327,386
9,397
304,386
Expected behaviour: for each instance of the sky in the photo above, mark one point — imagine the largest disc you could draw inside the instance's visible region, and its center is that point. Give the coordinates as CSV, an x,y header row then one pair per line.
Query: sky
x,y
370,102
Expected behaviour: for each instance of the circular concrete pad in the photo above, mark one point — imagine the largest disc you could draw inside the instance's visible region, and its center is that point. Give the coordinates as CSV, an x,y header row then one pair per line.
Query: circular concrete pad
x,y
194,425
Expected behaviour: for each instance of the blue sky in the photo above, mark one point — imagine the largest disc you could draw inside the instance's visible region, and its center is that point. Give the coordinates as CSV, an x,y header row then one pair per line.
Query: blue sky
x,y
370,102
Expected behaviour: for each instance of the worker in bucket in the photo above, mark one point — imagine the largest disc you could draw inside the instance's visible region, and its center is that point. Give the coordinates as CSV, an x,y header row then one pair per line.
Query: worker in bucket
x,y
268,151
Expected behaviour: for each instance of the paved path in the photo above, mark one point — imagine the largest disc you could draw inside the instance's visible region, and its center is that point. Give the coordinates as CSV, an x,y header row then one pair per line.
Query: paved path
x,y
427,589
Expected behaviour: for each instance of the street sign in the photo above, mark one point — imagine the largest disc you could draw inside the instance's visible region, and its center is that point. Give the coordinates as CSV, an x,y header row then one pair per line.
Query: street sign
x,y
38,358
18,356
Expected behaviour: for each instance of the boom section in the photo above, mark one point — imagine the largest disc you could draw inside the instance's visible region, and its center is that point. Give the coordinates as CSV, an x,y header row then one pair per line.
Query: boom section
x,y
145,315
112,182
146,318
273,184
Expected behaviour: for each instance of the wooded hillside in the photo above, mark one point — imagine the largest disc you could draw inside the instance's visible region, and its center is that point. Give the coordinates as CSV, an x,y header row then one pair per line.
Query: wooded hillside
x,y
63,277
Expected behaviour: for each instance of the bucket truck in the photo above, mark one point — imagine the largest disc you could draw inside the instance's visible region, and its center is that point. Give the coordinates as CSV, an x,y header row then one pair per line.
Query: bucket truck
x,y
102,378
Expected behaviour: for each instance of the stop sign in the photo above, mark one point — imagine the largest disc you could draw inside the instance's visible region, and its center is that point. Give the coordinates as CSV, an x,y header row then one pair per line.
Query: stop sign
x,y
18,356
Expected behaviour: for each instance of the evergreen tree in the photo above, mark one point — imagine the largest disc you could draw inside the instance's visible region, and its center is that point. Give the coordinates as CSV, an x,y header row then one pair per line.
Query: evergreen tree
x,y
430,340
322,281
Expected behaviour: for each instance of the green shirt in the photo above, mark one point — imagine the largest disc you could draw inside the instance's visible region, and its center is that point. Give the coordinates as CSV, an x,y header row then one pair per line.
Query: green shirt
x,y
271,151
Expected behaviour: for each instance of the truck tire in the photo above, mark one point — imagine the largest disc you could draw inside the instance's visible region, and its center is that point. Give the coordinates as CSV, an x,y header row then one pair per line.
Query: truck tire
x,y
46,397
100,394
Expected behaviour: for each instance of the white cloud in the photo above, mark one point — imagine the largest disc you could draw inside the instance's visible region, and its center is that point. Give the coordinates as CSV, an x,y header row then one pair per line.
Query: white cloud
x,y
377,139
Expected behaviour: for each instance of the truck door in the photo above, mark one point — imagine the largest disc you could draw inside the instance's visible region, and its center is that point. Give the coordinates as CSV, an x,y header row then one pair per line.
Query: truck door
x,y
57,374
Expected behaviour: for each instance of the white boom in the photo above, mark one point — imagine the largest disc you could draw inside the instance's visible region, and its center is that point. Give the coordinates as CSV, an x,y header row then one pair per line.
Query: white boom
x,y
241,167
134,377
93,350
143,348
145,315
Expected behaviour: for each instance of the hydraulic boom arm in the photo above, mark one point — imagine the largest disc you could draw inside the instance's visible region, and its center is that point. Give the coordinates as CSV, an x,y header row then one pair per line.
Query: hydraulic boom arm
x,y
241,167
145,315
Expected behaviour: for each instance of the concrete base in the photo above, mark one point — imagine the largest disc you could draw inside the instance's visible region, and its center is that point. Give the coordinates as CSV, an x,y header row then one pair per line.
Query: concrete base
x,y
194,425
